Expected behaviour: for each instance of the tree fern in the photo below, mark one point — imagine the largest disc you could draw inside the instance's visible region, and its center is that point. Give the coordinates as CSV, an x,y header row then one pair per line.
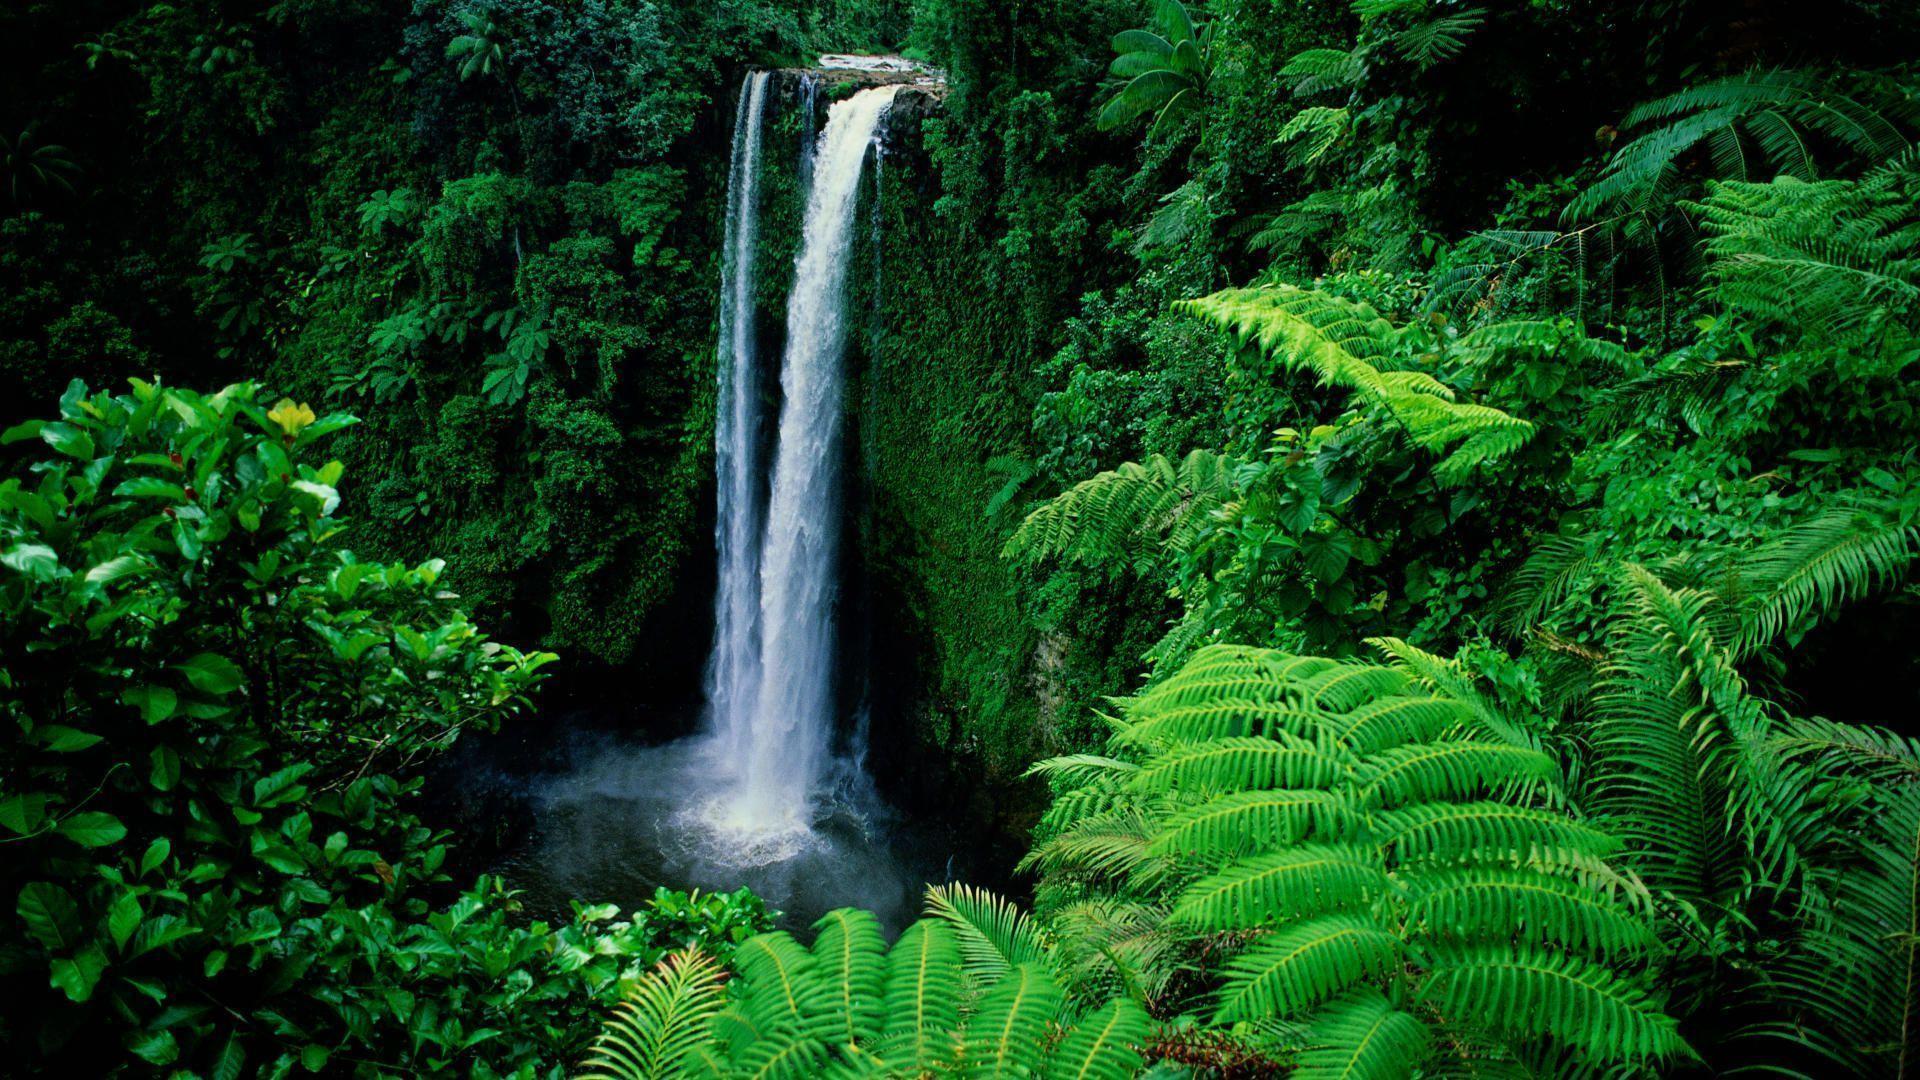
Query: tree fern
x,y
994,935
1837,556
1760,122
922,1010
1393,832
1008,1035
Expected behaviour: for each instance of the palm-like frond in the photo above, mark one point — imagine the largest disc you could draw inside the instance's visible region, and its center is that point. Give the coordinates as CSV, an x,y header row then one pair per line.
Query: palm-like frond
x,y
994,935
1008,1035
1103,1043
1166,72
922,1009
1567,998
852,971
1748,119
1833,558
662,1019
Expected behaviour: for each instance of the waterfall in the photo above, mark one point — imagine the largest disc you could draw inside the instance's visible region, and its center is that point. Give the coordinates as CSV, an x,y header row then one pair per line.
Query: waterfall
x,y
732,670
774,709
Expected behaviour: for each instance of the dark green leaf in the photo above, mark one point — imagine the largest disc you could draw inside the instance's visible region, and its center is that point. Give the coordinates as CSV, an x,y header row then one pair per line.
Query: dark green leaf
x,y
50,914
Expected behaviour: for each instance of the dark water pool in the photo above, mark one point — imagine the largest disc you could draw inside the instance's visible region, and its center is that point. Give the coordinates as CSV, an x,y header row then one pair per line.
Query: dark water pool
x,y
577,806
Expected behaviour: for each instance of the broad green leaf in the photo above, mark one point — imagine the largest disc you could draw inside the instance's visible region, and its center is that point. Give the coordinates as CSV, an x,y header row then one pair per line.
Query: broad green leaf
x,y
50,914
78,975
23,814
165,772
123,918
37,561
157,932
282,786
281,858
157,1047
92,829
114,569
62,739
155,855
68,439
27,429
211,673
156,703
151,487
232,1059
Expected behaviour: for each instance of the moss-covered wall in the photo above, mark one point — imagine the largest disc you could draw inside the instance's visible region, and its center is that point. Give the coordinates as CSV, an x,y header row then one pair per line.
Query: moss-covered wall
x,y
976,670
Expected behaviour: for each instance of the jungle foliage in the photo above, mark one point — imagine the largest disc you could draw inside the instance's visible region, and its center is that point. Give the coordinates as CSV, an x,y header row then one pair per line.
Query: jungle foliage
x,y
214,716
1433,482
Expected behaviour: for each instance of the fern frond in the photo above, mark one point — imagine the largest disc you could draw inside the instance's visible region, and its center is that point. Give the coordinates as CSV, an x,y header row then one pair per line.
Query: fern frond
x,y
1007,1036
851,968
1569,999
662,1019
1451,830
922,1007
1364,1036
1338,341
994,935
1102,1045
1453,770
1815,566
1493,902
1730,105
1305,963
1240,763
783,978
1250,821
1307,880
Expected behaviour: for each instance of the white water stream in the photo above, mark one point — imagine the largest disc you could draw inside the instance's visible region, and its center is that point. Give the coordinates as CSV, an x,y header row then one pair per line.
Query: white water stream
x,y
771,688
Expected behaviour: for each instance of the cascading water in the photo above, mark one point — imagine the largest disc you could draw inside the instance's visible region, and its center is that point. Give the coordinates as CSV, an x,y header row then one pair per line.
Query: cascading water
x,y
732,670
761,798
776,724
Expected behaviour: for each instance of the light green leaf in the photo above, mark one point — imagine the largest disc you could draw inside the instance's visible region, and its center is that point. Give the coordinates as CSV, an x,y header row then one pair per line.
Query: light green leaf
x,y
155,855
116,568
37,561
123,918
151,487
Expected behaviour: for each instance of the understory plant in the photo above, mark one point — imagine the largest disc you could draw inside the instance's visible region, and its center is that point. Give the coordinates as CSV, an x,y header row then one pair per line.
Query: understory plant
x,y
211,706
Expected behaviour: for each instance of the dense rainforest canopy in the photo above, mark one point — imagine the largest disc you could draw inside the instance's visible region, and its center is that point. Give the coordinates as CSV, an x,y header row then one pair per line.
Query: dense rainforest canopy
x,y
1403,511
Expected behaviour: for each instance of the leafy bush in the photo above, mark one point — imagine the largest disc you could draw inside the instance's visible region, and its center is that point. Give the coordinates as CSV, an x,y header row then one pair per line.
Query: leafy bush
x,y
211,706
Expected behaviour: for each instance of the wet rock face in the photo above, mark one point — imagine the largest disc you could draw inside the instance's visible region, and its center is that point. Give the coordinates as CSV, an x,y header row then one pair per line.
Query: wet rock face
x,y
842,73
